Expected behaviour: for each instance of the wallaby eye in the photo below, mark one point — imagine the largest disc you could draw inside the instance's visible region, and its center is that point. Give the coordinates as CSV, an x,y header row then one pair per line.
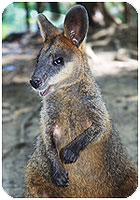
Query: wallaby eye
x,y
58,61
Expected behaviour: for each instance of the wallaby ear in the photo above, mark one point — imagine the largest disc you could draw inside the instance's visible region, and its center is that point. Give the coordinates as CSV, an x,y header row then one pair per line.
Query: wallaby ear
x,y
76,24
46,27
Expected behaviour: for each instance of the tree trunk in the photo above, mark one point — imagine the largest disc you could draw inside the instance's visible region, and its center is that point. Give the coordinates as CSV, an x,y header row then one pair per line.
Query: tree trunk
x,y
40,6
27,16
54,6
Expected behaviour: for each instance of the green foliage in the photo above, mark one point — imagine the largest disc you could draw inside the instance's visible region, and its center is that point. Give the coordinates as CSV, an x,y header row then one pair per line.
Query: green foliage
x,y
14,15
6,29
116,9
32,5
18,5
13,19
65,6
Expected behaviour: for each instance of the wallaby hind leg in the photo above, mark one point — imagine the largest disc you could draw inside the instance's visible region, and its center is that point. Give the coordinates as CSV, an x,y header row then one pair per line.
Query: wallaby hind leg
x,y
39,181
35,185
41,174
35,180
37,172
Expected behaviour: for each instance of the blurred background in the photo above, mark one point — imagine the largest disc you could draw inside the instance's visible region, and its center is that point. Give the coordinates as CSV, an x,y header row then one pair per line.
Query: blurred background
x,y
112,49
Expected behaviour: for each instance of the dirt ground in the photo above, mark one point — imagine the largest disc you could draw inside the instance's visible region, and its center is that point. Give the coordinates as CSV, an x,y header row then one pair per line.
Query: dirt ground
x,y
114,64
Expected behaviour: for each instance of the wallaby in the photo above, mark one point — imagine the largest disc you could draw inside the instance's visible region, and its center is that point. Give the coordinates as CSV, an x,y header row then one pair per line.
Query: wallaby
x,y
79,152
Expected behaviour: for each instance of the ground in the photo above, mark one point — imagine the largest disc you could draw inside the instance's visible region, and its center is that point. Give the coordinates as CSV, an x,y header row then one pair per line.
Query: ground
x,y
113,59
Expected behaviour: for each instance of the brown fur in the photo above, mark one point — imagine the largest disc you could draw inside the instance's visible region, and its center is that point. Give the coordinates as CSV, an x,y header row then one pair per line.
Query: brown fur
x,y
87,176
102,169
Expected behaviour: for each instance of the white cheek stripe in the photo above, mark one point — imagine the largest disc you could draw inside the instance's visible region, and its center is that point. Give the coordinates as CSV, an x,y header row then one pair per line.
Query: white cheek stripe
x,y
62,75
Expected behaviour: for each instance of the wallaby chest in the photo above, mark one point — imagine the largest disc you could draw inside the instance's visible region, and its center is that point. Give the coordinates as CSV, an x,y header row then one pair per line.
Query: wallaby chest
x,y
72,119
72,126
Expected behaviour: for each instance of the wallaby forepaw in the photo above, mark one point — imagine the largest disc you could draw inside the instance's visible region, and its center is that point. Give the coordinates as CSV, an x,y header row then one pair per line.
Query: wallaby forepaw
x,y
69,156
60,177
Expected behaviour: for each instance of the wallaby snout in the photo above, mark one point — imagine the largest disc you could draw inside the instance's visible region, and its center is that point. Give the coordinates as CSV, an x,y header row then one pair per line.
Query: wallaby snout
x,y
35,82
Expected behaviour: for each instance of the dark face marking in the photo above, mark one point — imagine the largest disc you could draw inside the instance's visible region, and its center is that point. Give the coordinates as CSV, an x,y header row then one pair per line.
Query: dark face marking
x,y
51,59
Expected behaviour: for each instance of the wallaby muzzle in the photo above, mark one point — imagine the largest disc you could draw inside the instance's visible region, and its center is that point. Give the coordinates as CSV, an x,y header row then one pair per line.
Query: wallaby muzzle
x,y
35,82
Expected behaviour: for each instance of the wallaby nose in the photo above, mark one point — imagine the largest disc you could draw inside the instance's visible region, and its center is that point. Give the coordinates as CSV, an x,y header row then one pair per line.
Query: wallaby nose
x,y
35,82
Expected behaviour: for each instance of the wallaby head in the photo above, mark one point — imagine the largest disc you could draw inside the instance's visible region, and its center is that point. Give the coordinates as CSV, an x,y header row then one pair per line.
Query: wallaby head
x,y
60,61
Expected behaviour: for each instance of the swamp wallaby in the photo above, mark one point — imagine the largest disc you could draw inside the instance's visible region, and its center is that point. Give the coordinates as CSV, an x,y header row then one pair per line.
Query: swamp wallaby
x,y
79,152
